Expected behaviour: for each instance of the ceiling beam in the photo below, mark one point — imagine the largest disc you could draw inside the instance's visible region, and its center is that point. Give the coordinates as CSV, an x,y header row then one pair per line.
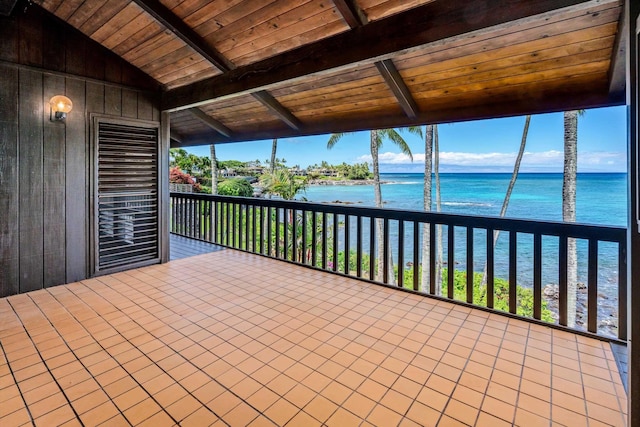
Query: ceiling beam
x,y
354,16
6,6
404,32
175,136
177,26
351,13
617,69
397,85
211,122
172,22
571,96
278,109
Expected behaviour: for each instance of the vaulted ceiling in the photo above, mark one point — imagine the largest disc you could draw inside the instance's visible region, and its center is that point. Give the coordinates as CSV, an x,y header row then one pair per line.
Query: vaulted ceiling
x,y
237,70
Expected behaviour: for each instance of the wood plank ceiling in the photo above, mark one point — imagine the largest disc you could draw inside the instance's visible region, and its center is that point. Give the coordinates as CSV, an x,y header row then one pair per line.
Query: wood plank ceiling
x,y
239,70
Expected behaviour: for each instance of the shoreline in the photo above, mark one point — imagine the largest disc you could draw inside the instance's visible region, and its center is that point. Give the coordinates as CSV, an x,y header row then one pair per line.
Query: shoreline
x,y
328,182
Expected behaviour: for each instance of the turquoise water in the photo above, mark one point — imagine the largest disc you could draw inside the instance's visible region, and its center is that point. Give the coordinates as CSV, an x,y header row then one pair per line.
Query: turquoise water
x,y
601,199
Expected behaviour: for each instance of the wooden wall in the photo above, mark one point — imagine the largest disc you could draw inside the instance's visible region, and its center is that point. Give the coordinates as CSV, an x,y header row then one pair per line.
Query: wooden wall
x,y
44,165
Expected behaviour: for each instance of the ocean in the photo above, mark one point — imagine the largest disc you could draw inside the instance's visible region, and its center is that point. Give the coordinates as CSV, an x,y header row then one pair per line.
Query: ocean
x,y
601,197
601,200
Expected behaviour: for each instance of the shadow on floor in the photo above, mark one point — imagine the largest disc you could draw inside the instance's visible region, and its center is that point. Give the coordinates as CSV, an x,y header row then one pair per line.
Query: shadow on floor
x,y
184,247
620,354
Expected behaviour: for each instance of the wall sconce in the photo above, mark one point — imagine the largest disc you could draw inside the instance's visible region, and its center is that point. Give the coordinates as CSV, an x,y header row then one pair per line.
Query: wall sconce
x,y
60,106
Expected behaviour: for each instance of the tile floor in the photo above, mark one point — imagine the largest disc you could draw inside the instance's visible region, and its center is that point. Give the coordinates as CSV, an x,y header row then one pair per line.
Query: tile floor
x,y
229,338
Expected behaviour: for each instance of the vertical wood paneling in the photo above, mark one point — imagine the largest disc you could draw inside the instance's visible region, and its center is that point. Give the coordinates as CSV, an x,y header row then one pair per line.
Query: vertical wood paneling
x,y
30,180
76,183
145,107
113,72
75,54
45,166
129,104
112,100
31,39
54,189
95,63
94,105
156,114
95,98
9,237
54,56
9,44
163,178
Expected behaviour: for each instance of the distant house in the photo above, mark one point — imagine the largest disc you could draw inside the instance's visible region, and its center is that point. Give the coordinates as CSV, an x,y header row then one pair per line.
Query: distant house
x,y
296,171
324,171
228,173
255,170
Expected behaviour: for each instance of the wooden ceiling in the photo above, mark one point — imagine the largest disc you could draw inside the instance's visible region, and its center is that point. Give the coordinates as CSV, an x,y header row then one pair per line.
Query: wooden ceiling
x,y
238,70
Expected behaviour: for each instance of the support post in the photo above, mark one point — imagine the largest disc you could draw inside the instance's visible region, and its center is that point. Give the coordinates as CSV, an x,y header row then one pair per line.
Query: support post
x,y
632,15
163,184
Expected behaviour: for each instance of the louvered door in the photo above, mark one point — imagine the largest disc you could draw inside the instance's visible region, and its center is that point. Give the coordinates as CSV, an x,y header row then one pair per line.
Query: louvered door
x,y
127,210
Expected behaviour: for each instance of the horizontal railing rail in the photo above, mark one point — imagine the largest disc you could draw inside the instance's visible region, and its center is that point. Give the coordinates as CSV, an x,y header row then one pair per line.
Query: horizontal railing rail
x,y
402,248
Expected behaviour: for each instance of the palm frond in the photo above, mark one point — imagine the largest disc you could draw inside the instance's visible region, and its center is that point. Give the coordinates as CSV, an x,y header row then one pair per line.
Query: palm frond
x,y
399,141
416,130
334,138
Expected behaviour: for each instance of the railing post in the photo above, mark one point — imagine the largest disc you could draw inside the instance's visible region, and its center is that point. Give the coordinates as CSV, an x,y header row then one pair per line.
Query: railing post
x,y
400,283
347,255
537,276
563,282
304,237
592,287
432,260
416,254
359,246
513,271
372,248
235,222
451,261
324,241
490,268
385,251
336,226
623,301
470,265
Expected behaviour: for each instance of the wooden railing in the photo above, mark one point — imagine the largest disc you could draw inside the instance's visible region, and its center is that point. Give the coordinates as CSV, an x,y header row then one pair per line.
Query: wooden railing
x,y
386,246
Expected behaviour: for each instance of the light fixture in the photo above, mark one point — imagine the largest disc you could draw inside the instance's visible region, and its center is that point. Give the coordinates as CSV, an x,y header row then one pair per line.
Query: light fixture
x,y
60,106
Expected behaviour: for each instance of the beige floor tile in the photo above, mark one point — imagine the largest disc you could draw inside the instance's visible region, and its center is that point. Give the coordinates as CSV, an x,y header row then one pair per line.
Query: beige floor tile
x,y
289,347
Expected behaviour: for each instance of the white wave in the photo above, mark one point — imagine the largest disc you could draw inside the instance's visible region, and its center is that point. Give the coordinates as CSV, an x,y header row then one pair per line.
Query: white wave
x,y
486,205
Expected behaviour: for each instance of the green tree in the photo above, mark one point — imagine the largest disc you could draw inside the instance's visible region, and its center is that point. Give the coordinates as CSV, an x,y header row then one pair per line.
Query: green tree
x,y
196,166
235,187
283,183
231,164
214,169
376,138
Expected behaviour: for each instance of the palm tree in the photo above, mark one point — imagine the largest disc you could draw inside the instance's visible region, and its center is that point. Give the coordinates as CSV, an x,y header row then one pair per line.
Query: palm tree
x,y
569,178
274,147
512,183
427,190
436,172
214,170
376,138
283,183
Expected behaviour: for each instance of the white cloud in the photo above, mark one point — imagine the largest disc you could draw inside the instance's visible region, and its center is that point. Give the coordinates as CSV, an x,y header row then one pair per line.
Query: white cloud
x,y
543,160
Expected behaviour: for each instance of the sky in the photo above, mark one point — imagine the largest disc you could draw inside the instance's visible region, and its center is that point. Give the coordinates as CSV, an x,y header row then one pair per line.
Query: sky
x,y
474,146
